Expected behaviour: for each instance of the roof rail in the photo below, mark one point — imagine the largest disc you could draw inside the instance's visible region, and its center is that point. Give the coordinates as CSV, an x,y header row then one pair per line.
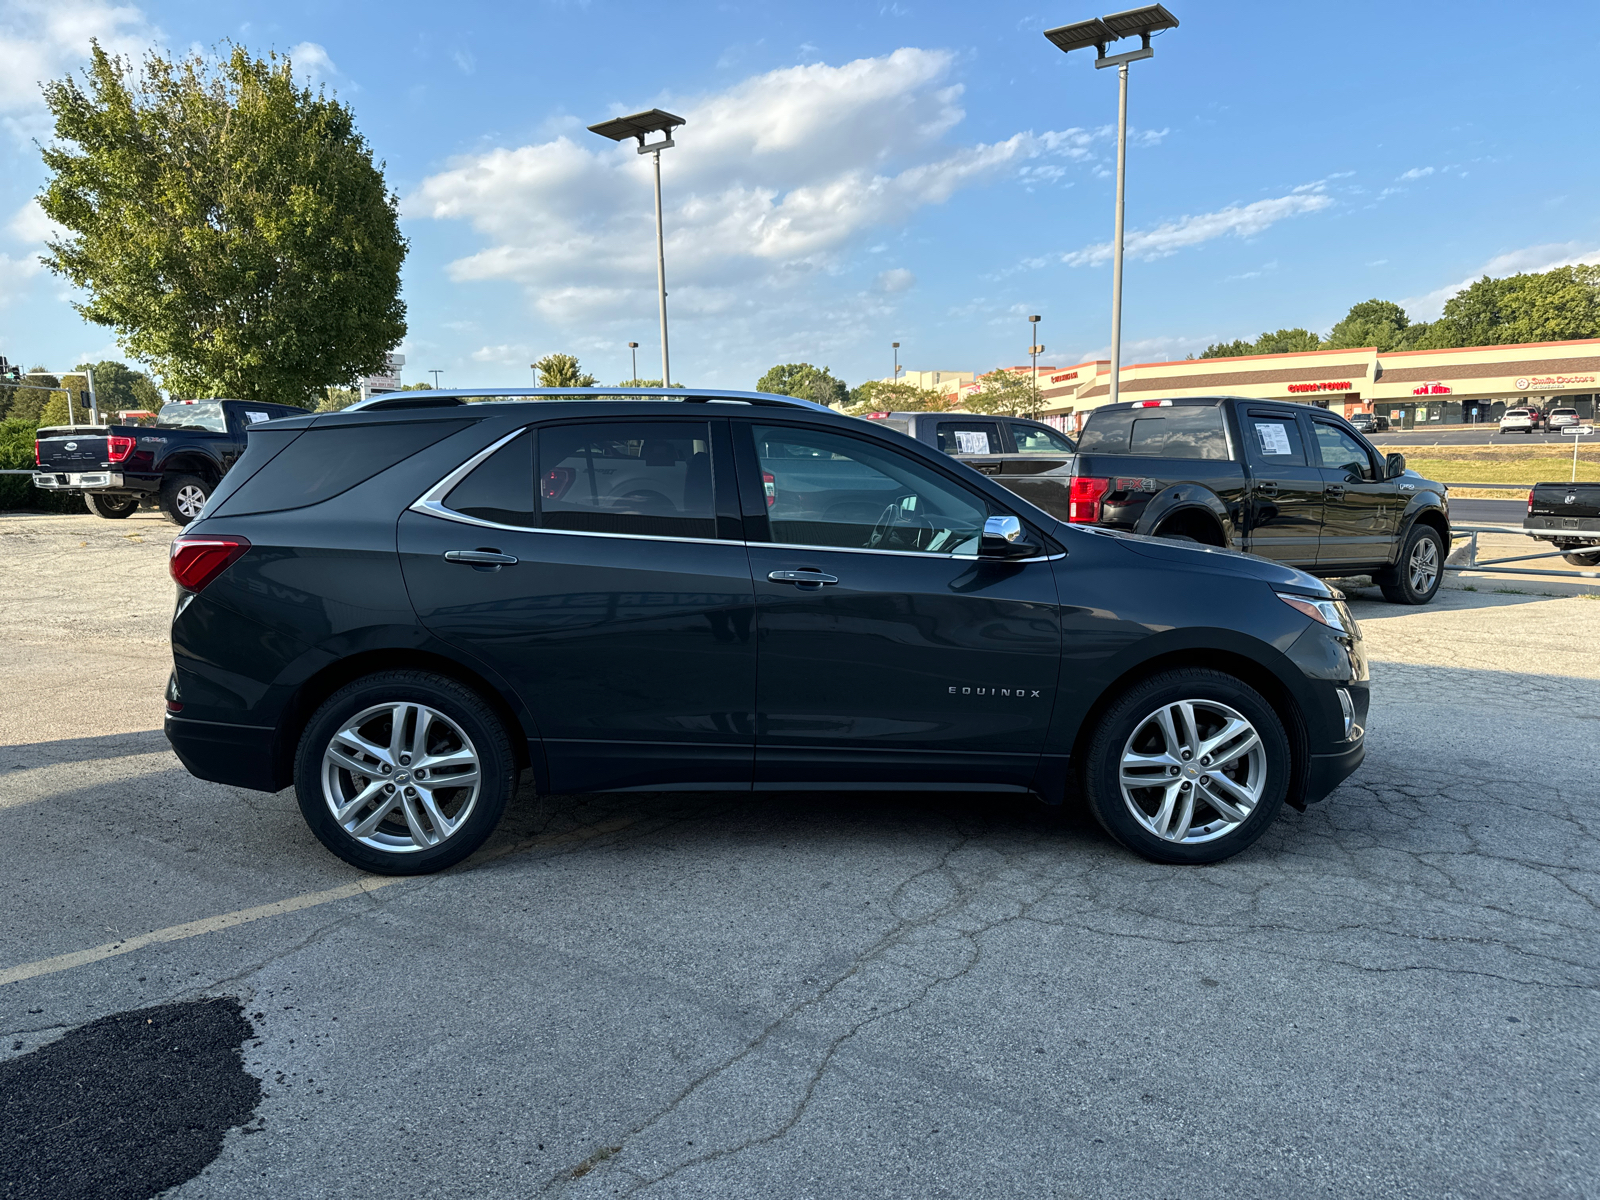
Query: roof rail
x,y
449,397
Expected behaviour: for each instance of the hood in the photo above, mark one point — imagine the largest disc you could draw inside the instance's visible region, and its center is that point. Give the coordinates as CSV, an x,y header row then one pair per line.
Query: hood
x,y
1190,556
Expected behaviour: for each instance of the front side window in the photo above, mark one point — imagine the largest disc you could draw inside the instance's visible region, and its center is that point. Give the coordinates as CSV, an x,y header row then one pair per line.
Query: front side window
x,y
969,437
1038,439
826,489
639,477
1341,451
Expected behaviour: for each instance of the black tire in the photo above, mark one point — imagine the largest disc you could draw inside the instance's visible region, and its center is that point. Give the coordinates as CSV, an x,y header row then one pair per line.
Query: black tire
x,y
485,737
179,500
1131,712
112,508
1408,581
1590,558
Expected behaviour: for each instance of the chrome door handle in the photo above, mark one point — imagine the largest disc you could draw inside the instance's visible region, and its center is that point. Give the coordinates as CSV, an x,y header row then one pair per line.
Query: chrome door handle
x,y
804,578
482,558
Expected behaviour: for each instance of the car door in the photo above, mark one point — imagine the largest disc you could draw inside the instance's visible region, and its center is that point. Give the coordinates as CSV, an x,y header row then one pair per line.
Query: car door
x,y
615,595
1359,507
1285,488
976,442
1037,448
888,651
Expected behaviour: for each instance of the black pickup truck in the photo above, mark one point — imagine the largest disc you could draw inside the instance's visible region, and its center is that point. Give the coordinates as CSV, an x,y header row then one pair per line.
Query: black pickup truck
x,y
1284,481
178,462
1568,516
993,445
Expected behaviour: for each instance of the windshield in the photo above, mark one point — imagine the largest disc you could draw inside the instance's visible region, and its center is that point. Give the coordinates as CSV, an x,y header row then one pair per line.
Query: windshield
x,y
193,414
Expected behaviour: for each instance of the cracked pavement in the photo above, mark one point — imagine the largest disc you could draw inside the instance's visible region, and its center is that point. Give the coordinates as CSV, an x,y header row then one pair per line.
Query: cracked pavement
x,y
1393,994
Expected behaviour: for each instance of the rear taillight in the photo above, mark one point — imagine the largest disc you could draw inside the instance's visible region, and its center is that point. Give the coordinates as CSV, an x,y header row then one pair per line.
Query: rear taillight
x,y
196,561
1530,504
37,461
118,448
769,485
556,482
1083,501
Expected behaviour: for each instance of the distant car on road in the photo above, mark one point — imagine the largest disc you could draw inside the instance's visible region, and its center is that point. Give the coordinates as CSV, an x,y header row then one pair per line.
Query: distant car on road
x,y
991,445
1562,418
1369,423
1520,420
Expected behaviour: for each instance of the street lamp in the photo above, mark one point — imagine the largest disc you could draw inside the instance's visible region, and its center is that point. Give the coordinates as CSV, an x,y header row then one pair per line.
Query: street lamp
x,y
436,375
1099,32
1035,350
633,350
896,346
639,126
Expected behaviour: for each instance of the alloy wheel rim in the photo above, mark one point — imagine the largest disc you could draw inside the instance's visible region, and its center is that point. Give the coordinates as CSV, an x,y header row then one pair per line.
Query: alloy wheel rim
x,y
1192,771
401,777
1424,565
191,500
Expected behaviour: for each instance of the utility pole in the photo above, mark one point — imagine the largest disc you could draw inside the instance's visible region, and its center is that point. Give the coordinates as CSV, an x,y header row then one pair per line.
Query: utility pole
x,y
633,351
896,377
1034,350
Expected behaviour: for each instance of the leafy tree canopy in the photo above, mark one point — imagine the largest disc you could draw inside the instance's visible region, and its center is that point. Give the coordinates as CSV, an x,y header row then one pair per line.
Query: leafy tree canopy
x,y
1284,341
1002,392
806,382
1555,306
877,396
644,383
230,225
562,371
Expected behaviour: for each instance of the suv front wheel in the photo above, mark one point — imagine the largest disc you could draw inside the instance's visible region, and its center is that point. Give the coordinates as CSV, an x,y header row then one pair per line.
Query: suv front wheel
x,y
404,772
1190,766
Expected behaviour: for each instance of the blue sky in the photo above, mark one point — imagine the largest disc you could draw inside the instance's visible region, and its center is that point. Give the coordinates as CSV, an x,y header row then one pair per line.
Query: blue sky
x,y
855,174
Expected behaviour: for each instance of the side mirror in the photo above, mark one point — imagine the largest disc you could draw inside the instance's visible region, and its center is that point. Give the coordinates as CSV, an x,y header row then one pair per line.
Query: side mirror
x,y
1002,538
1397,466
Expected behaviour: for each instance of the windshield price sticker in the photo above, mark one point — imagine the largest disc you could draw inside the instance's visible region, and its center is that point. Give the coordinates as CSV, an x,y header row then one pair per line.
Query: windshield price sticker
x,y
972,441
253,417
1274,439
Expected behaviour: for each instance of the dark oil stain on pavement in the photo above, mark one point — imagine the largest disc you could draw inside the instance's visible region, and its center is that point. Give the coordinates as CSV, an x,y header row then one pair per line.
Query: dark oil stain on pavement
x,y
126,1106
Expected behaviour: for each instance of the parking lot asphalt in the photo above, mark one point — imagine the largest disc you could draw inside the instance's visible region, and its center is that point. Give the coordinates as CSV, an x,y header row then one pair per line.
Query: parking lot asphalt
x,y
1393,994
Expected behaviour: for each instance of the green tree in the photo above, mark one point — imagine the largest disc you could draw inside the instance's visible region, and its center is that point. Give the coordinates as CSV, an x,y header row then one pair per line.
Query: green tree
x,y
1233,349
805,382
1004,392
1284,341
1552,306
116,387
27,403
875,395
230,225
1380,323
562,371
655,383
336,398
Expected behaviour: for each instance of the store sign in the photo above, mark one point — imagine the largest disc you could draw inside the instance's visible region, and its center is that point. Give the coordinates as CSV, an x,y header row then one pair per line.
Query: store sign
x,y
1554,381
1430,389
1063,377
1342,385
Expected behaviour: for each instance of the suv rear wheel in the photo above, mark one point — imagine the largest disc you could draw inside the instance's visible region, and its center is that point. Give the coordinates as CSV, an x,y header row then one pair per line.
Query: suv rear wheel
x,y
1190,766
1416,577
404,772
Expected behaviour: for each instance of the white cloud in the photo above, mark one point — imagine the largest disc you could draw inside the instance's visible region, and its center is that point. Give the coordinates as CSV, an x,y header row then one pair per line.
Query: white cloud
x,y
1530,260
464,61
45,39
313,63
1243,220
897,279
14,275
30,226
1417,173
770,183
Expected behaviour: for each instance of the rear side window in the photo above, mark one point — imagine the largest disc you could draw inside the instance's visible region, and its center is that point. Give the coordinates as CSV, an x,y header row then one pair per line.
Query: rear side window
x,y
500,488
1274,439
1189,431
630,477
969,437
1039,439
322,463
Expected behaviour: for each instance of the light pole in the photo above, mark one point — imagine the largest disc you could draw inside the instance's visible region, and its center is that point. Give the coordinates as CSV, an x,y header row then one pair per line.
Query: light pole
x,y
1099,32
896,377
1034,350
436,375
633,350
638,126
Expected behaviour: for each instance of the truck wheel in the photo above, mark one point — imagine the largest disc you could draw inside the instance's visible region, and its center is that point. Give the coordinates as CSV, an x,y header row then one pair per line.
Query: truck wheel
x,y
183,496
1588,559
1190,766
112,508
404,772
1416,577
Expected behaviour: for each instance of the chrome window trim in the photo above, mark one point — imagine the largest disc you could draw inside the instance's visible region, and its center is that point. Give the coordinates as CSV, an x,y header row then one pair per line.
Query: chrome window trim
x,y
433,508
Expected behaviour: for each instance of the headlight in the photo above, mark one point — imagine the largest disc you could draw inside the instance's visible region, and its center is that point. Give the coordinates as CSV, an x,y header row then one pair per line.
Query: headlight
x,y
1331,613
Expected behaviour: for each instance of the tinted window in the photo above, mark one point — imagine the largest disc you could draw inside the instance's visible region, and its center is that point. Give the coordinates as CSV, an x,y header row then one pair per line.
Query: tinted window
x,y
899,423
1189,431
193,414
640,477
969,437
824,489
1039,439
1341,451
500,488
321,463
1274,440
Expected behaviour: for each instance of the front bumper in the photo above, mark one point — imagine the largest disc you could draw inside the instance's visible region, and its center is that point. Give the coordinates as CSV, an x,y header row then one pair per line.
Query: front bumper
x,y
240,755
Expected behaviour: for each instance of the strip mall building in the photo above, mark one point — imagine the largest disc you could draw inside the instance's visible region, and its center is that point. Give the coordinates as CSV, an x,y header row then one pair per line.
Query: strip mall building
x,y
1412,388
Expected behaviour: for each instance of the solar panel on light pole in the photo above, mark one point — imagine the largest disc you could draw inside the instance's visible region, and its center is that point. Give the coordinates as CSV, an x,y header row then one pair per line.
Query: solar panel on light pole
x,y
1100,32
639,126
